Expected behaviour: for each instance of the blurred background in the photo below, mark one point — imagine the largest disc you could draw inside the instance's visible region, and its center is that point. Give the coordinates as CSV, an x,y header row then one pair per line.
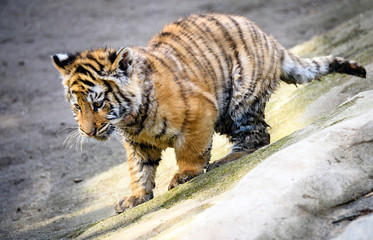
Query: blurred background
x,y
45,187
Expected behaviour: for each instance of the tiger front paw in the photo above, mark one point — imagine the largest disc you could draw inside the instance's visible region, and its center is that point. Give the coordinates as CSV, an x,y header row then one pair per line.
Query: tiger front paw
x,y
130,202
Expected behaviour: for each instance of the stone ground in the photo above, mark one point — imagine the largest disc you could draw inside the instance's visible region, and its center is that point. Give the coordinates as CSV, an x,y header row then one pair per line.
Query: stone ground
x,y
48,189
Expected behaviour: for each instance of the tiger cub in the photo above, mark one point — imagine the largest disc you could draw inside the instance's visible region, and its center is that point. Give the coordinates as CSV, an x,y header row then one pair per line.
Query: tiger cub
x,y
202,74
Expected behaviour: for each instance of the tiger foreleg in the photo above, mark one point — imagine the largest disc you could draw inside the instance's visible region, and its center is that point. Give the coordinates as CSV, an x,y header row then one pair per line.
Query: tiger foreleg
x,y
143,161
194,154
191,163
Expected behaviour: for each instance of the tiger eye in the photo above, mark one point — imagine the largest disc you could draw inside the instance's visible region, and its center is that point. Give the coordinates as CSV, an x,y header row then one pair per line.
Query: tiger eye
x,y
98,104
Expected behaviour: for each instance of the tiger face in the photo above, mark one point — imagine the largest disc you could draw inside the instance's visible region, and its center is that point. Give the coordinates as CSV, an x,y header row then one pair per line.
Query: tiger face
x,y
92,81
91,111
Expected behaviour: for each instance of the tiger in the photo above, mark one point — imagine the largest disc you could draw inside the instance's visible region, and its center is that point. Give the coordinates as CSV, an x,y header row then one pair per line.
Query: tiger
x,y
202,74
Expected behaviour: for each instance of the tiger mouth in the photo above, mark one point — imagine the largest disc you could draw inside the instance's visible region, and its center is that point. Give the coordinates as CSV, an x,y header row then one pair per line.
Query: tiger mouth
x,y
104,133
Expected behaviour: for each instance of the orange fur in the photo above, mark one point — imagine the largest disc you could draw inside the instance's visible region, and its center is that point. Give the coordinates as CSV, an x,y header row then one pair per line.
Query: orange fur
x,y
202,74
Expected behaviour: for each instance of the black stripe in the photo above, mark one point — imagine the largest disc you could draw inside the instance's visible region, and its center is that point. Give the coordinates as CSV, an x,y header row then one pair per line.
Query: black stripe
x,y
184,45
186,113
145,148
202,33
163,63
84,71
110,90
151,162
240,33
266,41
219,78
172,139
228,81
108,86
132,95
104,125
74,83
145,106
207,153
89,56
178,82
154,113
317,65
164,128
247,50
282,53
171,70
232,45
99,95
86,82
180,55
93,68
257,61
272,59
228,90
226,33
123,96
142,146
116,98
222,51
112,57
211,69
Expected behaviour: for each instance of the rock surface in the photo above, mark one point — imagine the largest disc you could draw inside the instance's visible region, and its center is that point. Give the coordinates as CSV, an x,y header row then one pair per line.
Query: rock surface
x,y
287,195
360,229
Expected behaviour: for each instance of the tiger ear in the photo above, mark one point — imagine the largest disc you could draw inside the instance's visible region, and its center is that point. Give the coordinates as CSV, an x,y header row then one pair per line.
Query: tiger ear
x,y
62,61
122,61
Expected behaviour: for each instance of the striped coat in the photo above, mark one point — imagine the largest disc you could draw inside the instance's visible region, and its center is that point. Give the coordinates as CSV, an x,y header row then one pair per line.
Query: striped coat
x,y
202,74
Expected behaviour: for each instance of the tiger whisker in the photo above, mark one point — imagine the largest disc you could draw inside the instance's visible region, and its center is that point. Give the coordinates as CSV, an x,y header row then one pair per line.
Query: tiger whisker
x,y
66,129
81,142
72,138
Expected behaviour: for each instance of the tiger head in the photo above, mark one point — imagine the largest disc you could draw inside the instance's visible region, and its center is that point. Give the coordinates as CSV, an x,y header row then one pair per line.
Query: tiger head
x,y
95,86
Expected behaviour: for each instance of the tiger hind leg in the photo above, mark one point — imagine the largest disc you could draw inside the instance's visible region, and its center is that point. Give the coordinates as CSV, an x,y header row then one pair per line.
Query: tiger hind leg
x,y
247,134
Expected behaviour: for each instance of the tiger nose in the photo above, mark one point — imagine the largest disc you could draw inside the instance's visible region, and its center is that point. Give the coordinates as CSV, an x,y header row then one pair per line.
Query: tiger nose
x,y
90,133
